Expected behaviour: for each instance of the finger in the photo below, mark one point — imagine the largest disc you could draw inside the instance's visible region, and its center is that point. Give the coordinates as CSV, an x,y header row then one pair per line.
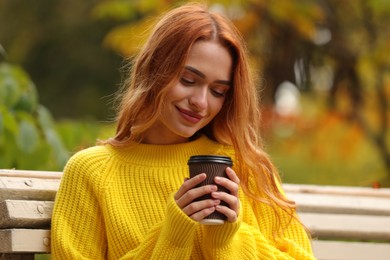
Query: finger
x,y
231,215
200,215
228,184
195,193
232,201
198,206
189,184
232,175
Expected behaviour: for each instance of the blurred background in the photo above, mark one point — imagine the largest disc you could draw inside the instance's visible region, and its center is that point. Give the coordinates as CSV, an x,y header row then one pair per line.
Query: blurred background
x,y
323,67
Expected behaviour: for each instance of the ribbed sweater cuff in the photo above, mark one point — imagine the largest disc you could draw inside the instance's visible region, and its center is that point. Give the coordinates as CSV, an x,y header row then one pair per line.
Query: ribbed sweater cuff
x,y
178,228
221,235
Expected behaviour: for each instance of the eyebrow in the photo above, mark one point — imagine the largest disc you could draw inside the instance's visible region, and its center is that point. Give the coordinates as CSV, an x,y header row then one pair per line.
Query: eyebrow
x,y
200,74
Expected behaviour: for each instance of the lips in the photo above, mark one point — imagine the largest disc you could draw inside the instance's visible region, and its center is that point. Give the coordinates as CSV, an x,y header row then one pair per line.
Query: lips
x,y
189,115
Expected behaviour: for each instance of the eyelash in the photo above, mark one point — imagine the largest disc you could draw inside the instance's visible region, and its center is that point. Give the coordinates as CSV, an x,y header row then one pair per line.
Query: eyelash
x,y
188,82
217,94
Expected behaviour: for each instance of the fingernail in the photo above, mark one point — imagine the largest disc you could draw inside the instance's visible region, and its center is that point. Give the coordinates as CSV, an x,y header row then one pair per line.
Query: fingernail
x,y
215,194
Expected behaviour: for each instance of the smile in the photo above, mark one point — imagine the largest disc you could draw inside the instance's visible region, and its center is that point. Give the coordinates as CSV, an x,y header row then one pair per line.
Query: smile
x,y
190,116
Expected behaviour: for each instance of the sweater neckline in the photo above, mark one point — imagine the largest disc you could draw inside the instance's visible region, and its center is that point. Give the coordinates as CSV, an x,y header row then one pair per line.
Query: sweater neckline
x,y
166,155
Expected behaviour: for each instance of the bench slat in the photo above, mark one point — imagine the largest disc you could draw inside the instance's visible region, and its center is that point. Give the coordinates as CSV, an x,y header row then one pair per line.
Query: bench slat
x,y
359,227
25,213
346,204
336,190
28,188
338,250
24,240
30,174
28,256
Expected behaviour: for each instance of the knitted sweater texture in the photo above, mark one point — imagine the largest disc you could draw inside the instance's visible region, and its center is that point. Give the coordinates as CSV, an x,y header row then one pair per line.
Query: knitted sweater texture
x,y
117,203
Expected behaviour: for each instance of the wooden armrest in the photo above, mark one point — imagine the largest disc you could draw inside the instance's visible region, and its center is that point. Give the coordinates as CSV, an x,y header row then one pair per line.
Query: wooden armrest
x,y
25,213
24,240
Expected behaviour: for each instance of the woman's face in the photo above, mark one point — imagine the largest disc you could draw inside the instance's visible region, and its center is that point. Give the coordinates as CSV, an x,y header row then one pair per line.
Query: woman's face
x,y
197,96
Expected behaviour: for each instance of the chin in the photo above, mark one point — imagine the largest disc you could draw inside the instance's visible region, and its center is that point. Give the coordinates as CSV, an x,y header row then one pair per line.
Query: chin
x,y
187,134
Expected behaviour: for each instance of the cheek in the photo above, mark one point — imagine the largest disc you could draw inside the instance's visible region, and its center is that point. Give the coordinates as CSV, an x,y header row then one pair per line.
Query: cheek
x,y
216,107
178,91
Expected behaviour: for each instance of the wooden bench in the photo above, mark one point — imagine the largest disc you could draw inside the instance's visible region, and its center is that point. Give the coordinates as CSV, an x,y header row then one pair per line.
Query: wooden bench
x,y
345,222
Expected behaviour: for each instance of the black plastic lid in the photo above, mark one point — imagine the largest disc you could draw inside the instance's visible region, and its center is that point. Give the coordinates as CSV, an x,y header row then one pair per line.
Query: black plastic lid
x,y
210,159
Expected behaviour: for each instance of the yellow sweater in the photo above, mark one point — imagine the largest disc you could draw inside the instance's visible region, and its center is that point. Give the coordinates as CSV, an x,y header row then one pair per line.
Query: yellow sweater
x,y
118,203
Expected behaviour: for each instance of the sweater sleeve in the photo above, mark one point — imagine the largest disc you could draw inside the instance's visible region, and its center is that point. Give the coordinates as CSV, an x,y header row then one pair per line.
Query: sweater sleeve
x,y
77,226
244,239
174,239
249,243
171,239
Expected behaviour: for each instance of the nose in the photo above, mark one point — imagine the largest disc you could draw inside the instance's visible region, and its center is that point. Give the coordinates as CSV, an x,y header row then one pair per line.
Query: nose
x,y
198,98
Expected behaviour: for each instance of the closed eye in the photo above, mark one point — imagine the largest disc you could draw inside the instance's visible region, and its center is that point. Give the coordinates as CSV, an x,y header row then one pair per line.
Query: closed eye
x,y
218,93
186,81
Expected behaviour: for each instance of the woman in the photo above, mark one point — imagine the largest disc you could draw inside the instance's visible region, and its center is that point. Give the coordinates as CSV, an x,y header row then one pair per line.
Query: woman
x,y
189,93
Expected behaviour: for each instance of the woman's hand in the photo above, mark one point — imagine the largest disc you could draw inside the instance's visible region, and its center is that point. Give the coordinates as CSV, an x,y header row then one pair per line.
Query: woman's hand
x,y
231,183
187,193
198,210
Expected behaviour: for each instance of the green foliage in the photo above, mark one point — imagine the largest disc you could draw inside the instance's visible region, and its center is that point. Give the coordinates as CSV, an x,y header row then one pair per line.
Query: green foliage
x,y
42,257
80,134
28,139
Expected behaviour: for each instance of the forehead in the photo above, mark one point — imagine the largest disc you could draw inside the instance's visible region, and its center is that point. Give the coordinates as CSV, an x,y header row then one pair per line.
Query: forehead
x,y
212,59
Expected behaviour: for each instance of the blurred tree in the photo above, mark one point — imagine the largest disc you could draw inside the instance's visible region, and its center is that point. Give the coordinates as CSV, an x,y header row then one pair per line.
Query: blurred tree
x,y
348,41
59,43
359,52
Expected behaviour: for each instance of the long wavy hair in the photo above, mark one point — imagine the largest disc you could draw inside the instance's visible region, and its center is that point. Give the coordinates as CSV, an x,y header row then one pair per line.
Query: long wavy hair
x,y
158,66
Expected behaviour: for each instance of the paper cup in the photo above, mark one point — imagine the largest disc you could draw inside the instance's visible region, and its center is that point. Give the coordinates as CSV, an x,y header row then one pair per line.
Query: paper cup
x,y
212,165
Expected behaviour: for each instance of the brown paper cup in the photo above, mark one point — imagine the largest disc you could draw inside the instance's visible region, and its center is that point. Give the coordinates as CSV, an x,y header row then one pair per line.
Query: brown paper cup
x,y
212,165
